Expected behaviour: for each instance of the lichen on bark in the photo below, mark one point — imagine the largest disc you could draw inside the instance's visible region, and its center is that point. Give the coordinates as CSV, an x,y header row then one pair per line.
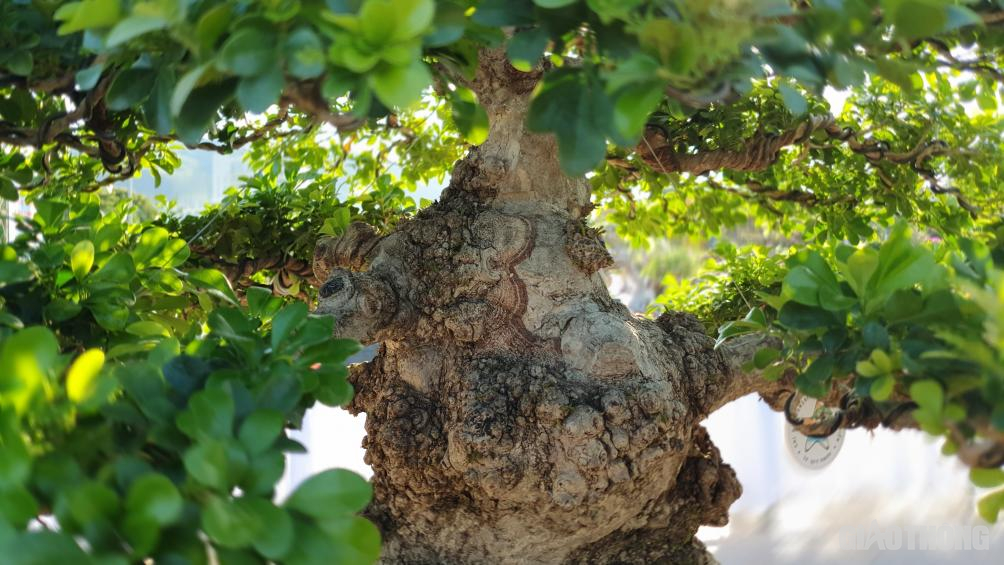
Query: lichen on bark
x,y
516,413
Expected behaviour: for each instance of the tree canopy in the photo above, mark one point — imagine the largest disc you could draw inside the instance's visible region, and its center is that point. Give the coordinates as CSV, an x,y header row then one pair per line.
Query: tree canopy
x,y
882,278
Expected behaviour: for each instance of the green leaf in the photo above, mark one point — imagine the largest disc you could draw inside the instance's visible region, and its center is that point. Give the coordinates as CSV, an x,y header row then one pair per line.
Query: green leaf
x,y
110,313
276,538
333,388
928,395
383,22
82,259
882,387
502,13
206,462
874,336
88,14
754,321
21,63
261,303
554,3
264,471
93,502
285,321
141,533
820,370
214,281
61,309
250,51
87,78
184,87
526,47
260,429
44,548
15,461
813,283
119,269
200,109
915,19
413,17
867,369
632,107
773,372
674,43
107,237
960,16
900,73
304,54
765,356
573,105
901,264
147,328
609,10
986,478
154,497
258,93
133,27
17,507
354,539
989,506
802,285
448,26
48,213
356,57
340,540
231,522
151,242
801,317
129,88
27,358
7,189
399,87
212,24
157,108
83,384
331,493
12,272
793,99
210,413
882,361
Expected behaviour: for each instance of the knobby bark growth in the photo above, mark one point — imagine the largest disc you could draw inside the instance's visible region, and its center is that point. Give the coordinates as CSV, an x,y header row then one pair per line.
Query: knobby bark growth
x,y
516,413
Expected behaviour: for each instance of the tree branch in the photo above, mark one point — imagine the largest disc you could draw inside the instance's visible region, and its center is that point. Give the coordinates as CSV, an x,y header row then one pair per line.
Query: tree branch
x,y
762,150
307,97
850,411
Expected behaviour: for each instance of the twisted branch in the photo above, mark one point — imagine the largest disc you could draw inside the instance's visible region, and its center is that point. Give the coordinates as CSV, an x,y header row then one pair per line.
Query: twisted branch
x,y
850,411
762,150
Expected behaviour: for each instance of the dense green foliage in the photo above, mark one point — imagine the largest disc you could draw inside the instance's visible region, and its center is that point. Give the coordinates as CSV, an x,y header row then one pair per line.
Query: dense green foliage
x,y
138,389
136,397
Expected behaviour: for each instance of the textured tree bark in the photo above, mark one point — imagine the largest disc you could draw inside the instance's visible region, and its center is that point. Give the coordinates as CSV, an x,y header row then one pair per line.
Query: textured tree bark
x,y
516,413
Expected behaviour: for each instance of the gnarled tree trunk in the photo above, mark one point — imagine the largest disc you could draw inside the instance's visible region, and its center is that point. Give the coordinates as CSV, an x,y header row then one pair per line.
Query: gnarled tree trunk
x,y
516,413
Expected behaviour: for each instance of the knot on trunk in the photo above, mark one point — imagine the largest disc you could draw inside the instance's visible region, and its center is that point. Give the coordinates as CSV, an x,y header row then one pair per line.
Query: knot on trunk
x,y
586,248
349,251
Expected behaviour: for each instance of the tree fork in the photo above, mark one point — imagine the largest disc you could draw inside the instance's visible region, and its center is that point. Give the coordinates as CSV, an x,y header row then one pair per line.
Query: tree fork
x,y
515,411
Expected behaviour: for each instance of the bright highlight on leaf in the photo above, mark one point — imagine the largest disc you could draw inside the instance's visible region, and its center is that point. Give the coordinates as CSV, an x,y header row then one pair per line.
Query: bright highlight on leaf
x,y
81,259
82,383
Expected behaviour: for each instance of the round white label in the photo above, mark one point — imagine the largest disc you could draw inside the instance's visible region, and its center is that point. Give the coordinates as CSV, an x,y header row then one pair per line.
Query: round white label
x,y
811,452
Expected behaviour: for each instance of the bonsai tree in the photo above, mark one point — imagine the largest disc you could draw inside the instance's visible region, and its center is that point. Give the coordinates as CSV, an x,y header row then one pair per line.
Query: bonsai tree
x,y
149,368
